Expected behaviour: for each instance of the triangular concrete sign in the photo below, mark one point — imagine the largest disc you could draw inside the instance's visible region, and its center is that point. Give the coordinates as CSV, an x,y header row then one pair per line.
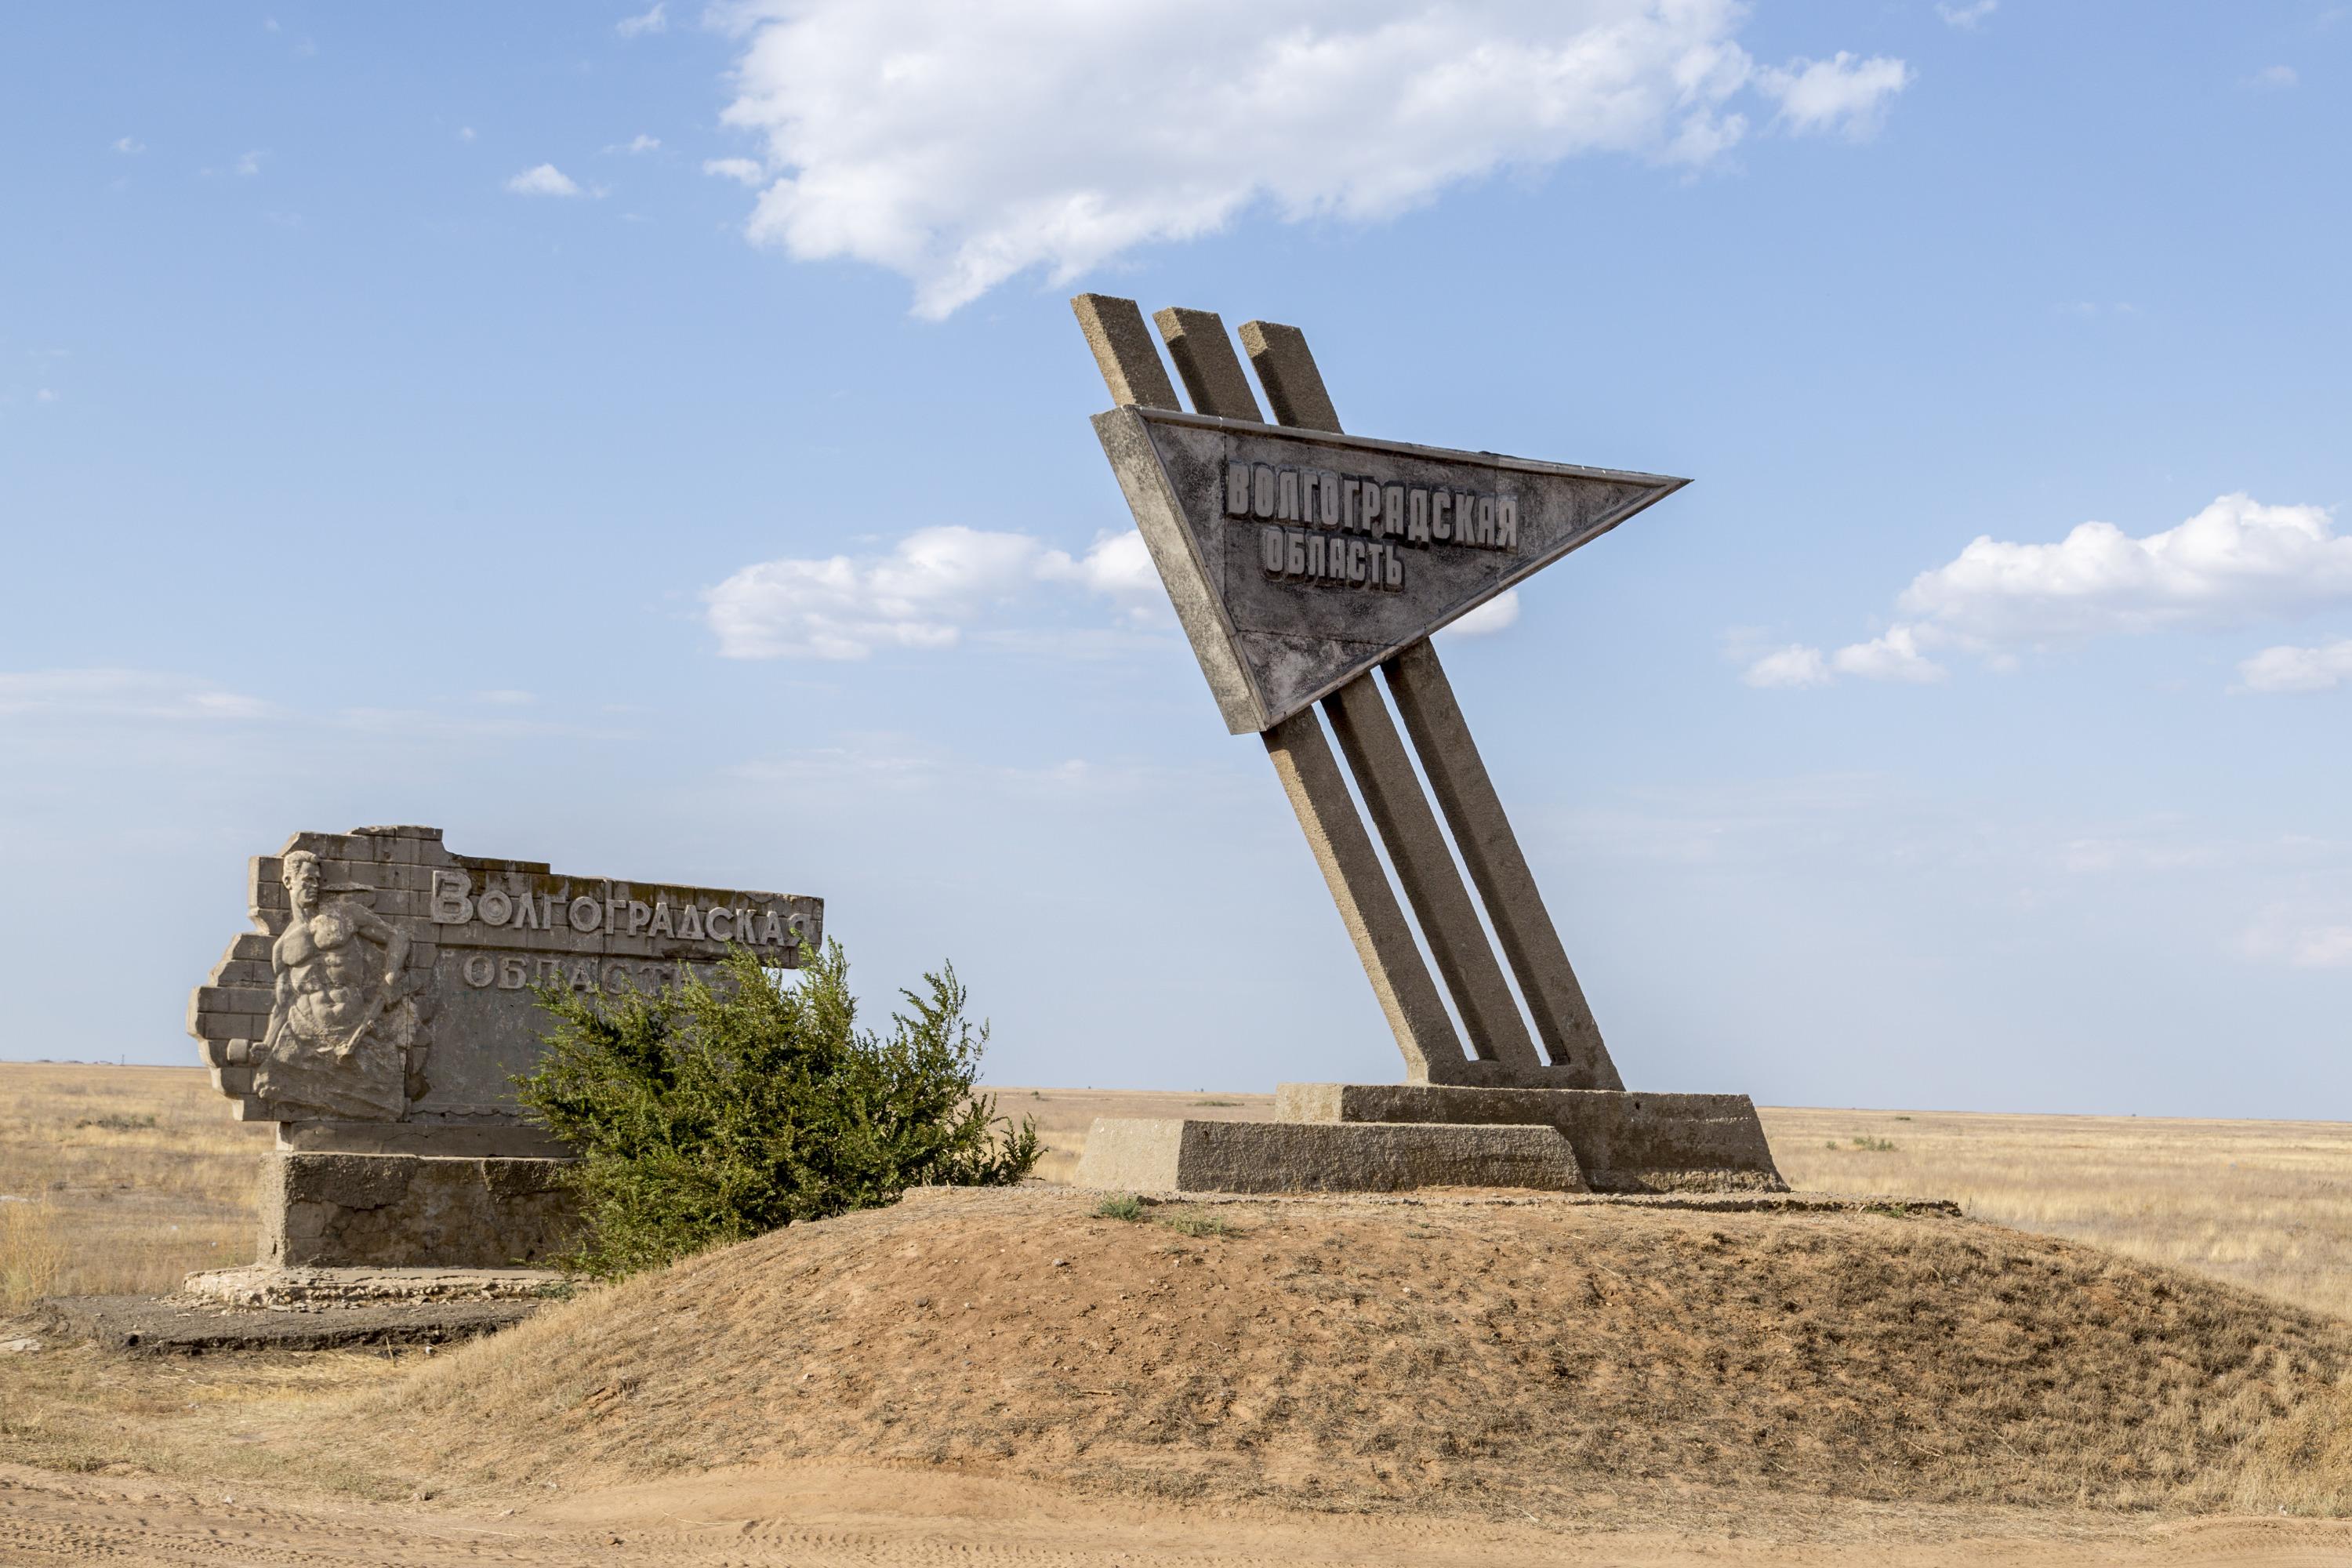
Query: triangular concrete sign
x,y
1298,560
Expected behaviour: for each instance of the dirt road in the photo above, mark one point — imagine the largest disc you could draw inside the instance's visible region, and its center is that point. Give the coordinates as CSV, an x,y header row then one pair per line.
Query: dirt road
x,y
848,1515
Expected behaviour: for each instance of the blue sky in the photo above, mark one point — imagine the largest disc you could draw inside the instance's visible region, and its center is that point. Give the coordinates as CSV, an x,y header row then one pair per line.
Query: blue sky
x,y
655,441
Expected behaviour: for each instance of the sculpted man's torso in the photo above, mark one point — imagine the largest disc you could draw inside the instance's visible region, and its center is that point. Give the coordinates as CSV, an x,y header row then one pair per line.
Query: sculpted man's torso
x,y
329,968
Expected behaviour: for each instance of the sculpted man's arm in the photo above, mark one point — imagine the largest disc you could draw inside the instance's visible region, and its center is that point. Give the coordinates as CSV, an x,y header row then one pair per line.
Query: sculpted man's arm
x,y
281,996
396,946
394,942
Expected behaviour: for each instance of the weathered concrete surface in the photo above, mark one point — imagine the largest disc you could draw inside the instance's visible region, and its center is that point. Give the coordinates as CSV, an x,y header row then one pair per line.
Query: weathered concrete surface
x,y
1272,643
1152,1155
168,1325
394,1210
502,1140
261,1285
1624,1142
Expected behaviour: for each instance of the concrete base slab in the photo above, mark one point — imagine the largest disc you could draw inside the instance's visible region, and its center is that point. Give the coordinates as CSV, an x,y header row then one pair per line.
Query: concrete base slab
x,y
1151,1155
412,1210
1624,1142
177,1325
504,1139
262,1285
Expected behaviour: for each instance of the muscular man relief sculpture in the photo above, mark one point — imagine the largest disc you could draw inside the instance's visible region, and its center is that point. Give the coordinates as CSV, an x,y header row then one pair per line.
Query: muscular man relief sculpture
x,y
340,1026
387,980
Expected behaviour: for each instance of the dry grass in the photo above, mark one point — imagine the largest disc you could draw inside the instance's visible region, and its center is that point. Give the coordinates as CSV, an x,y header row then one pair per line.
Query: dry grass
x,y
90,1410
128,1178
32,1252
2266,1205
1445,1356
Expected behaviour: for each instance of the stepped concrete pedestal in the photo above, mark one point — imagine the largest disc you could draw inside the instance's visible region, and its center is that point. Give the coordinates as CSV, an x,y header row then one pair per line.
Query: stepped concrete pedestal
x,y
1331,1136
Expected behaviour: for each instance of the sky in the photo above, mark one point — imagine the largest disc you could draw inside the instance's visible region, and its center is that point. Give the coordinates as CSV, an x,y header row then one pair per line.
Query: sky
x,y
654,440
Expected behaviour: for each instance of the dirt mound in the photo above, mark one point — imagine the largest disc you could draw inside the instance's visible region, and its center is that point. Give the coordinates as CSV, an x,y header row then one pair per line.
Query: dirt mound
x,y
1456,1352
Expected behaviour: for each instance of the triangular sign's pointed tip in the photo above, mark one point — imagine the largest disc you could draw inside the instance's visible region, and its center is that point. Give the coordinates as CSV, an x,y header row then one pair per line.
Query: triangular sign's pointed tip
x,y
1296,560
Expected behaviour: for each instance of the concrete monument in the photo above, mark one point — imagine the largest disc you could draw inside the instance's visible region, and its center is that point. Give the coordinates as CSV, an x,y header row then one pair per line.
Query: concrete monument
x,y
382,1006
1300,560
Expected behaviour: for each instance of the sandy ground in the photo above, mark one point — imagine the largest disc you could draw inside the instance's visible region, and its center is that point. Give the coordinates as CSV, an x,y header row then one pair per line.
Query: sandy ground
x,y
844,1514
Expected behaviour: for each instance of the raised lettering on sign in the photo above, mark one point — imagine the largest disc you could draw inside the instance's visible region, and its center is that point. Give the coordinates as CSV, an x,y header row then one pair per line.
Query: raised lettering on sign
x,y
1392,519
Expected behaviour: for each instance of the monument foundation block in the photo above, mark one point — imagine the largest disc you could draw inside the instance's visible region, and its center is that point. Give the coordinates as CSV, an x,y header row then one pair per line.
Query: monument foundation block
x,y
1624,1142
1172,1155
407,1211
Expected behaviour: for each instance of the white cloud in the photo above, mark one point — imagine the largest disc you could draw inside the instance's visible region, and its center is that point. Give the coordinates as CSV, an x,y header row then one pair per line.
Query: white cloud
x,y
640,143
2299,937
2236,563
1841,93
1793,666
2273,79
2288,669
745,170
121,694
1119,566
464,133
1497,614
129,145
653,21
1894,657
250,164
923,595
1968,16
46,394
2322,947
942,139
546,180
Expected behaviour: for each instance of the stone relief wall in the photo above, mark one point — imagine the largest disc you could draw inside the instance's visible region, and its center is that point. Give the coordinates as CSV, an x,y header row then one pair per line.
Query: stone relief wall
x,y
389,980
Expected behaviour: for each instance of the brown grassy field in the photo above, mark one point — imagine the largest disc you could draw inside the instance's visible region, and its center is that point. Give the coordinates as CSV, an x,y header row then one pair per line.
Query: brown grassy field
x,y
136,1176
119,1179
2267,1205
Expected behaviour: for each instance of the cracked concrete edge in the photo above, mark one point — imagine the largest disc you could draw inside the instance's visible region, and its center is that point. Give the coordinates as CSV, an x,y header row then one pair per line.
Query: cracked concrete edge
x,y
1158,1154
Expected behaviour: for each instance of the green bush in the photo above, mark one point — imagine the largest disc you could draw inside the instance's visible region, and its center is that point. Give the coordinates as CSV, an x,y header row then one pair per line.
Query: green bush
x,y
706,1113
